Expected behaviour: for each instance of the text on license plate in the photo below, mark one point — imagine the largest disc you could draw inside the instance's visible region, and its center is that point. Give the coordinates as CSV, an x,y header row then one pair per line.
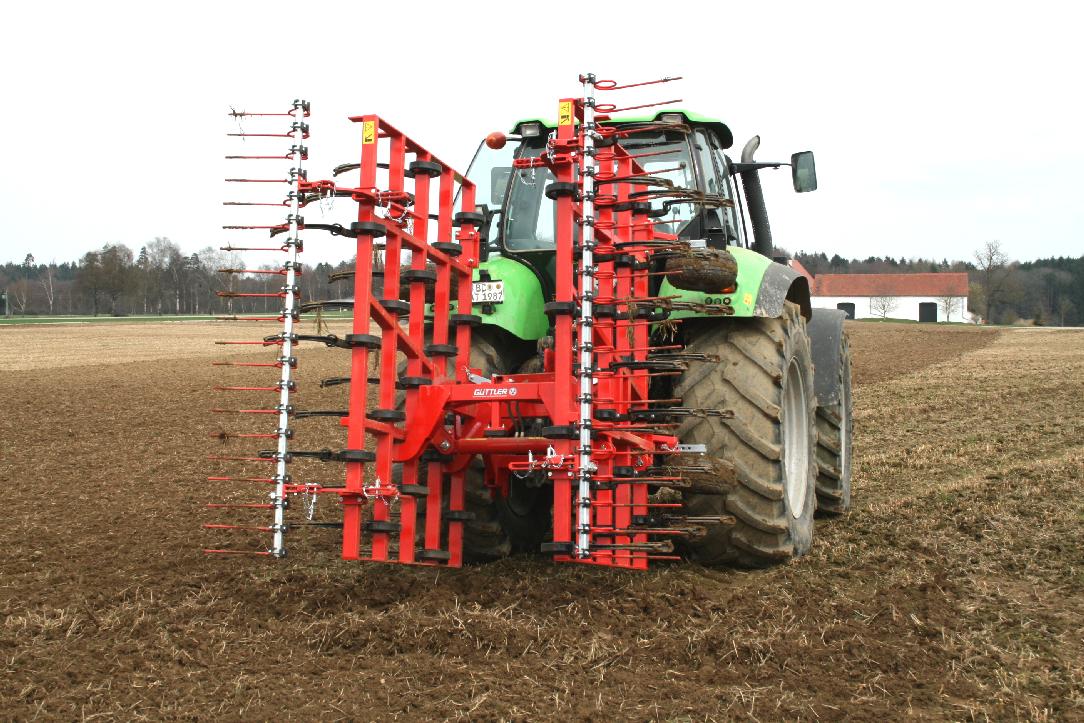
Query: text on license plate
x,y
484,292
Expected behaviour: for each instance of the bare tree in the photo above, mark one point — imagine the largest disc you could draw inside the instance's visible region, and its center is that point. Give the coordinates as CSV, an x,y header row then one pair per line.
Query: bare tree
x,y
993,274
882,306
949,305
1065,307
48,284
19,295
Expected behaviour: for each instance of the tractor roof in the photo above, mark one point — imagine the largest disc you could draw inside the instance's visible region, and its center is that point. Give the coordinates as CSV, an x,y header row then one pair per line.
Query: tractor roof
x,y
725,136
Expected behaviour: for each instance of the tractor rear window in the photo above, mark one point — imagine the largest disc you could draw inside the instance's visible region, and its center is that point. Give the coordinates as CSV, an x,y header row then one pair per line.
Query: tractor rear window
x,y
529,222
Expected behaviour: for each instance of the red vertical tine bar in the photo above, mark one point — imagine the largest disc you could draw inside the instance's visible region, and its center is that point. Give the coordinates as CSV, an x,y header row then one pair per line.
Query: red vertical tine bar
x,y
622,494
468,240
448,283
359,356
408,505
563,401
389,341
641,336
446,205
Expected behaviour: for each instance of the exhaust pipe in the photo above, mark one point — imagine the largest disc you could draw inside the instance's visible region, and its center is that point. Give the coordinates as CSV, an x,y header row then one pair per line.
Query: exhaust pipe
x,y
754,198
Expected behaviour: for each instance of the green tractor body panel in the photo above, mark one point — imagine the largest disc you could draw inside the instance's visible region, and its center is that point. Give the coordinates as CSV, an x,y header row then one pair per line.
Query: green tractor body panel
x,y
751,269
521,313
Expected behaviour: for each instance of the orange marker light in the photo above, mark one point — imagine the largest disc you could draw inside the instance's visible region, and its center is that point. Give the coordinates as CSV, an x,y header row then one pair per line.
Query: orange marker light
x,y
496,140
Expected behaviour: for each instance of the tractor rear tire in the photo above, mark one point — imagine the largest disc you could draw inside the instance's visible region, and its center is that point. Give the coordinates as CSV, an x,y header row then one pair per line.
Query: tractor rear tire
x,y
835,427
484,538
765,375
519,522
527,512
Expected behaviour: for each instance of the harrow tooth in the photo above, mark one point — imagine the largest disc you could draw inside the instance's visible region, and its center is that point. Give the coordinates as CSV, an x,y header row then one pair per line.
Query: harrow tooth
x,y
663,546
228,506
311,306
250,528
265,553
659,413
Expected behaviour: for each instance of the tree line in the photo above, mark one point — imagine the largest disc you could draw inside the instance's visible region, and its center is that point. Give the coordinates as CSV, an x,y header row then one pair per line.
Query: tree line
x,y
1002,291
158,279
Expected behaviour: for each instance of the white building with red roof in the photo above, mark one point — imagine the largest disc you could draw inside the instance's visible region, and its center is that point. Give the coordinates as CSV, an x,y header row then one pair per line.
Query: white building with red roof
x,y
918,297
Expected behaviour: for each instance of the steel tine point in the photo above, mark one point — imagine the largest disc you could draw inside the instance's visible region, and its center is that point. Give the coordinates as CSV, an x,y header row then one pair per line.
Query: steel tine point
x,y
264,553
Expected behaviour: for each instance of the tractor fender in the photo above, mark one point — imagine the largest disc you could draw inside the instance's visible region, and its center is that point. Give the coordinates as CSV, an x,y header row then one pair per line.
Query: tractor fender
x,y
825,335
781,283
522,313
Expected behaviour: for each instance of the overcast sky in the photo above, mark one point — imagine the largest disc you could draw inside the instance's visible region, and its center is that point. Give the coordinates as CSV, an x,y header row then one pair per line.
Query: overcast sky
x,y
936,126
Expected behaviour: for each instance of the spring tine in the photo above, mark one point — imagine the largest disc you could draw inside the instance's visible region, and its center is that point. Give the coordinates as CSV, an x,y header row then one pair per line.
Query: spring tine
x,y
265,342
245,389
275,272
251,528
252,203
228,506
248,318
244,411
612,84
279,226
674,505
241,479
265,553
258,135
245,114
660,546
247,364
250,295
239,435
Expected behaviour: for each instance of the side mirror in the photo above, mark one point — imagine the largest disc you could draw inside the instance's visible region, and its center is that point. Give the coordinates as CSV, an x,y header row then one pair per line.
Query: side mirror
x,y
498,184
803,172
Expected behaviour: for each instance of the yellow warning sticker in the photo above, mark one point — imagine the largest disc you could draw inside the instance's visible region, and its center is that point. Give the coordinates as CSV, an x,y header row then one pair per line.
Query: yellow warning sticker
x,y
747,299
368,132
564,113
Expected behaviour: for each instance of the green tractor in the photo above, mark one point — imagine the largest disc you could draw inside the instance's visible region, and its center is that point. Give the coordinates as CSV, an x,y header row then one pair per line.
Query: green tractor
x,y
784,367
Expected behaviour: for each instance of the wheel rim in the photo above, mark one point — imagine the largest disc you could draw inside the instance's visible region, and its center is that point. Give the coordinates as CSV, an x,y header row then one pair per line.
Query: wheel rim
x,y
795,439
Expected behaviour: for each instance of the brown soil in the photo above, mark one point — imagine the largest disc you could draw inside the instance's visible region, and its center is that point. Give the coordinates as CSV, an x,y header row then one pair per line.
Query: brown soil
x,y
955,589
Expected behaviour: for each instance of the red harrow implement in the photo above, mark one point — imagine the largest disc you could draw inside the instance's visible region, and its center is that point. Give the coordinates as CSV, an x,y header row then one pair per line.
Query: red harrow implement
x,y
418,413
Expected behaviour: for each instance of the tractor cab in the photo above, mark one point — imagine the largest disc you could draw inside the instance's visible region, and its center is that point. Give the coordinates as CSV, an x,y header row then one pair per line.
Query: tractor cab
x,y
521,219
677,151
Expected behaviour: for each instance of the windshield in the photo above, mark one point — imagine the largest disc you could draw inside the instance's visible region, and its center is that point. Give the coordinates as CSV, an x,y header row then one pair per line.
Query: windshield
x,y
528,222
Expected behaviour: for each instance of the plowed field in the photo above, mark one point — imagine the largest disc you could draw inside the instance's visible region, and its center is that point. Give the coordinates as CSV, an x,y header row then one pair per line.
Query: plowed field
x,y
955,588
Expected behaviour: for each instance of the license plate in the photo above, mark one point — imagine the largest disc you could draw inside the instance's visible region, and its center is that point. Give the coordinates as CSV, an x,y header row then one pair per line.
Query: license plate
x,y
487,292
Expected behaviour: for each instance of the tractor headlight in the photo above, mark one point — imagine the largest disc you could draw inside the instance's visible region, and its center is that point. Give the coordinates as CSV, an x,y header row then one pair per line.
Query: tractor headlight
x,y
672,118
530,130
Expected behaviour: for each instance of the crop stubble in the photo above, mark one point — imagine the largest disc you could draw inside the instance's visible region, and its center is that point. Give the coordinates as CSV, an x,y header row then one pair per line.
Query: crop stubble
x,y
955,588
